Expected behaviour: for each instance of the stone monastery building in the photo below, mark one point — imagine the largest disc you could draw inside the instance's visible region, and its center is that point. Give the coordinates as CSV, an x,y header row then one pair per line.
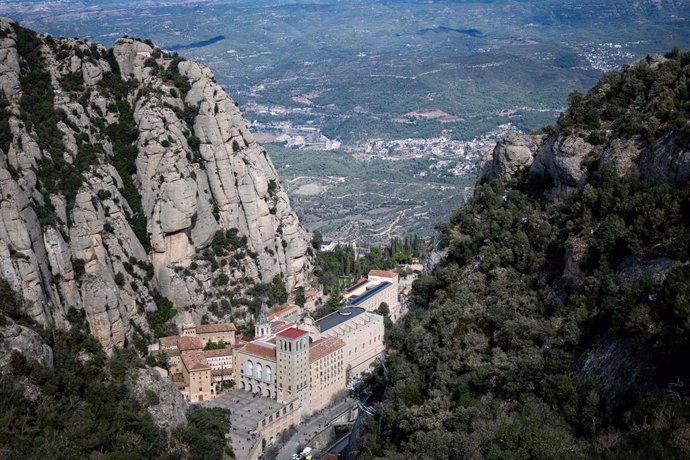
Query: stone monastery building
x,y
293,358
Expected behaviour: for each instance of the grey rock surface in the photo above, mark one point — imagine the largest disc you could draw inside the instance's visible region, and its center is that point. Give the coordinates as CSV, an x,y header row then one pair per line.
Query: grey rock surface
x,y
16,337
199,171
667,158
171,409
559,162
515,151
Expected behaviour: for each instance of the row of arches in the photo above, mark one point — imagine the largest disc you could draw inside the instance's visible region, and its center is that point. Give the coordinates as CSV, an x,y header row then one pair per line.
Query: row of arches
x,y
256,389
258,372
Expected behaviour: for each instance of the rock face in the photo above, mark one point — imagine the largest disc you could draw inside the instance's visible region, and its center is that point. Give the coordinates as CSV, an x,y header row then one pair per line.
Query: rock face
x,y
513,152
668,158
145,179
559,162
160,396
23,340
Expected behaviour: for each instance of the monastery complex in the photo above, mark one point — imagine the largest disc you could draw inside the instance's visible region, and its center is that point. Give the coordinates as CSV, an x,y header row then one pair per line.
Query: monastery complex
x,y
302,364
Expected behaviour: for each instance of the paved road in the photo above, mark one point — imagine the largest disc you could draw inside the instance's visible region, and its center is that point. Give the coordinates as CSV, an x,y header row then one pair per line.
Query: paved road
x,y
306,431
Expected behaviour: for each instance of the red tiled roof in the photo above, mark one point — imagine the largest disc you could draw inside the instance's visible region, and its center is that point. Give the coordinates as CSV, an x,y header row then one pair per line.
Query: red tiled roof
x,y
259,351
190,343
227,351
383,273
282,312
168,342
292,333
278,326
195,361
213,328
321,348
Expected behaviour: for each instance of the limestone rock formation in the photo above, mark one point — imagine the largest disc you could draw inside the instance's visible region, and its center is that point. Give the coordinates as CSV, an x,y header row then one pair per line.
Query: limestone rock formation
x,y
622,155
668,158
23,340
513,152
559,162
160,396
131,178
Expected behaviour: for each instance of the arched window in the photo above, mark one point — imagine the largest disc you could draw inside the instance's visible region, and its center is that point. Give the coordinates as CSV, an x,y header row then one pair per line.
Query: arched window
x,y
258,371
269,374
249,369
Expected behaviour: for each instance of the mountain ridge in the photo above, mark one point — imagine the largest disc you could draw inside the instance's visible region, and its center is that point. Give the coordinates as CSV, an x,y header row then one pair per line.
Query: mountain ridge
x,y
130,179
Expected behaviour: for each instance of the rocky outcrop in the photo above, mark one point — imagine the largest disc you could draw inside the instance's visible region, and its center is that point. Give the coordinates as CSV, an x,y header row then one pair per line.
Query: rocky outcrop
x,y
667,158
512,153
634,269
621,155
14,337
159,396
618,366
80,238
559,162
9,68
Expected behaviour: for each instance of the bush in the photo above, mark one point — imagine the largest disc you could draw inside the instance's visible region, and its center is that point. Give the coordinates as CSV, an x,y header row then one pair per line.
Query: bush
x,y
73,81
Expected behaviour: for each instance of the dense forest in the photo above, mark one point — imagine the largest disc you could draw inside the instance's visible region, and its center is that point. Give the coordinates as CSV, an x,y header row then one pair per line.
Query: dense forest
x,y
555,327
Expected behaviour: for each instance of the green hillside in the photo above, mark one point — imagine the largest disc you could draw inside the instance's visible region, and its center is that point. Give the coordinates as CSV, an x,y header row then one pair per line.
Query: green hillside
x,y
560,327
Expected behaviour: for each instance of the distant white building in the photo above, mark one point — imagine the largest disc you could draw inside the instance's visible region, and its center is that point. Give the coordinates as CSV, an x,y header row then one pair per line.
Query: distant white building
x,y
327,246
379,287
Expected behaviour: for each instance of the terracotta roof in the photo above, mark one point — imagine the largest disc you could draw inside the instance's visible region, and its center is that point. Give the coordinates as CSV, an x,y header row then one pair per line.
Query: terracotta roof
x,y
383,274
277,326
292,333
259,351
227,351
213,328
169,342
195,361
190,343
322,348
282,312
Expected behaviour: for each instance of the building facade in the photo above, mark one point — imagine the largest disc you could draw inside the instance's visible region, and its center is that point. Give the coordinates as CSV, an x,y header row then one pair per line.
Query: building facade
x,y
292,352
197,377
362,333
326,372
198,372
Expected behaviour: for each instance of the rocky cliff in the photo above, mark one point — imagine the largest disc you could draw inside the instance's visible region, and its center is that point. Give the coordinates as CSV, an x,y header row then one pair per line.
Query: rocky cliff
x,y
128,175
633,120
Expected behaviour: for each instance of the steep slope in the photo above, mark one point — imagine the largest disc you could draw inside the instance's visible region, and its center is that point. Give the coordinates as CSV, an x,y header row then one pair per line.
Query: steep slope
x,y
127,177
557,324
